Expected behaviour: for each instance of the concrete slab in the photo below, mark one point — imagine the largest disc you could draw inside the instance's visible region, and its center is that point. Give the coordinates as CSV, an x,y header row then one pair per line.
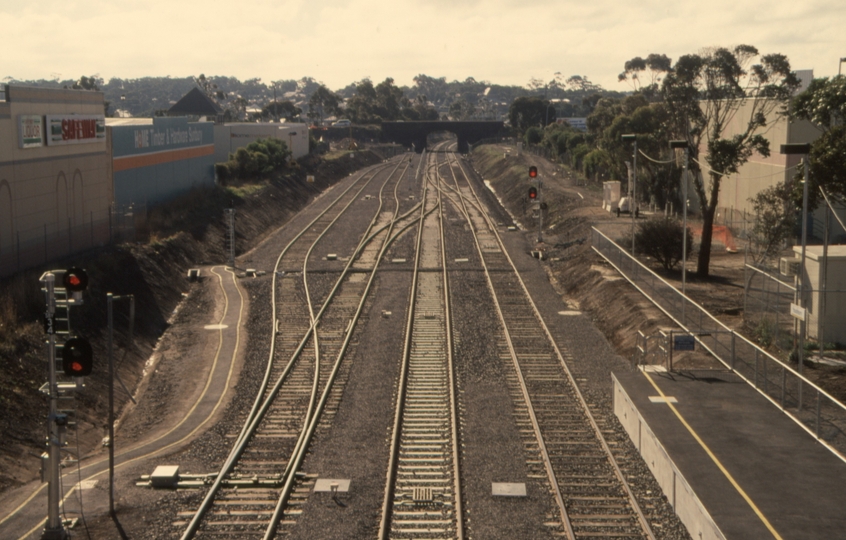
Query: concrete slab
x,y
508,489
339,485
733,465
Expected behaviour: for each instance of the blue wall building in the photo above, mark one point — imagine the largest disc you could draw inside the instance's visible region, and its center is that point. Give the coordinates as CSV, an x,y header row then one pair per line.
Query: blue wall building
x,y
155,160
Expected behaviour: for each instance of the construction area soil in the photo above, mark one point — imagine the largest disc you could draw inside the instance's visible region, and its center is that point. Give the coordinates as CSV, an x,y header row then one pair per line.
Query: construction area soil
x,y
168,306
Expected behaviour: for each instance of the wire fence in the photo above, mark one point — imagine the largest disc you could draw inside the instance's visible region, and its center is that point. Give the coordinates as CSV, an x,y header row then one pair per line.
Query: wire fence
x,y
819,413
121,224
766,307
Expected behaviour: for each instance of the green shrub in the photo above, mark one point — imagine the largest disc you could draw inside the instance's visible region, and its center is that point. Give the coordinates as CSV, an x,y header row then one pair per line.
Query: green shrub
x,y
534,135
662,239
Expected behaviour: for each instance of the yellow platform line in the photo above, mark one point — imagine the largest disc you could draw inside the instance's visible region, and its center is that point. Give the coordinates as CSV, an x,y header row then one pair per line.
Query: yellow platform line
x,y
717,462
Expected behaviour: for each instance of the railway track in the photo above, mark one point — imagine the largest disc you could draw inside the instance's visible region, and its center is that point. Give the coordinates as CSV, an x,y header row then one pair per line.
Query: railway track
x,y
258,487
593,498
422,496
259,491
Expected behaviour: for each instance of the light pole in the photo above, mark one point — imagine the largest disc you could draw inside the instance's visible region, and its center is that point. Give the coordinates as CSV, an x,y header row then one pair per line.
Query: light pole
x,y
802,149
110,298
684,146
633,138
840,65
547,113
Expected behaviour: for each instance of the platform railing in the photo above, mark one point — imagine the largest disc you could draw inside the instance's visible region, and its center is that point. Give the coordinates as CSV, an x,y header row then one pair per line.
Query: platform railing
x,y
819,413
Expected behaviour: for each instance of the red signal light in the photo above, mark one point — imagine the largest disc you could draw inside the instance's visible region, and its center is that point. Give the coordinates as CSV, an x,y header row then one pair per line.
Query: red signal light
x,y
75,279
533,172
77,357
533,193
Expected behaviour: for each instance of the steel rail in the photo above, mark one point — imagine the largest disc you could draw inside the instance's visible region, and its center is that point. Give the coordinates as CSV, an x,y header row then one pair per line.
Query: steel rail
x,y
425,457
647,530
299,455
459,508
393,456
261,406
273,291
556,490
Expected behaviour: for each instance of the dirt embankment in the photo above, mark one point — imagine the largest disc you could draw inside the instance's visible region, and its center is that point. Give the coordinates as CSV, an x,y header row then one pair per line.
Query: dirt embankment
x,y
572,207
588,283
186,233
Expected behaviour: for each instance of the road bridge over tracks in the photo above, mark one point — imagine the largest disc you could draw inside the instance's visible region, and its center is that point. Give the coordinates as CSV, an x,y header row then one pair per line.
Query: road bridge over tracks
x,y
414,134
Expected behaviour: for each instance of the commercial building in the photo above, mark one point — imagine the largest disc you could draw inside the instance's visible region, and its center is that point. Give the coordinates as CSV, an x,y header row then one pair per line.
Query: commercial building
x,y
230,137
55,178
156,159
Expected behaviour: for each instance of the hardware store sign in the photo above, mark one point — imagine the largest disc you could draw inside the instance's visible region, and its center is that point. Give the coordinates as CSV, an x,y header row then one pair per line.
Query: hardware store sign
x,y
75,129
30,131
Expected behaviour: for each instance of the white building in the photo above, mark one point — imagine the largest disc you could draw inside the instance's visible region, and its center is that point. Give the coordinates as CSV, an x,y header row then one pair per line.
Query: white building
x,y
230,137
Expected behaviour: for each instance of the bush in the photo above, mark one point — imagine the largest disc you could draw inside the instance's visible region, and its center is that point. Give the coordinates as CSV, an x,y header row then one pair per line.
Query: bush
x,y
662,240
222,172
534,135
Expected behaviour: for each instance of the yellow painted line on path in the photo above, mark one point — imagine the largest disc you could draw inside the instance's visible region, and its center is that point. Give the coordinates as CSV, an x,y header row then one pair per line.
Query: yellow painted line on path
x,y
716,461
174,428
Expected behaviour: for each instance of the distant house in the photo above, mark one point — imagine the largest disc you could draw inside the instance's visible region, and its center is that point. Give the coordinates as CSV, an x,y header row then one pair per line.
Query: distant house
x,y
196,104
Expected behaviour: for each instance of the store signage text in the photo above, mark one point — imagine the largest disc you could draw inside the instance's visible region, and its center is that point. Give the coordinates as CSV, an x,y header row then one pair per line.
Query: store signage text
x,y
75,129
30,131
151,137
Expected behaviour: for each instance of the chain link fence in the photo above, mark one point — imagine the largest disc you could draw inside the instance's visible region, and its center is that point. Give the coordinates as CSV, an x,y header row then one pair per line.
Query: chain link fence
x,y
121,225
766,307
818,412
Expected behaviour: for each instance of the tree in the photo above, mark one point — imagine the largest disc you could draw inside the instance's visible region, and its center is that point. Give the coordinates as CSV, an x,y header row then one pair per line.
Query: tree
x,y
662,239
281,109
657,64
528,111
361,107
322,103
775,221
210,88
460,109
259,158
704,95
824,104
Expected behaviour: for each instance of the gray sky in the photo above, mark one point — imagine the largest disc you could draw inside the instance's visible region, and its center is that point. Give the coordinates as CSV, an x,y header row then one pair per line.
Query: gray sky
x,y
342,41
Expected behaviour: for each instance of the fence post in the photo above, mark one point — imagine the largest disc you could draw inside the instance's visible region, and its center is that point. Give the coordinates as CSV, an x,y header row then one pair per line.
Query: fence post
x,y
783,384
766,380
732,349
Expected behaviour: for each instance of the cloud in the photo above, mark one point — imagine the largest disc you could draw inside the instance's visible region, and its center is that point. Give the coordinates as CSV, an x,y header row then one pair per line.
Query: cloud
x,y
341,41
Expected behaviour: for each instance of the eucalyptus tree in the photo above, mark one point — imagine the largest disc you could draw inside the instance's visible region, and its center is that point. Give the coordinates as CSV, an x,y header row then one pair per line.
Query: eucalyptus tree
x,y
722,101
824,105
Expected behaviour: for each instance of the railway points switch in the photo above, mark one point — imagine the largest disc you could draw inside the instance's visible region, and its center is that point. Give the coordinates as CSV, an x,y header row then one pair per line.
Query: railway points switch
x,y
331,256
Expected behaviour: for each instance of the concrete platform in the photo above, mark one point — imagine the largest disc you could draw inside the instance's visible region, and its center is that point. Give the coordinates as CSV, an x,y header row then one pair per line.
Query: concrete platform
x,y
731,463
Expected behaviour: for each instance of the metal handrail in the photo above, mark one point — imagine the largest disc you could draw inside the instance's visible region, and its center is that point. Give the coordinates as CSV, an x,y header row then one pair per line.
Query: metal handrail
x,y
600,240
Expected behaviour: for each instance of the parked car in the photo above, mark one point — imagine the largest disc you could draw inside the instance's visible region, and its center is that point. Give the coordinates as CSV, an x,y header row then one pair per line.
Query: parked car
x,y
342,123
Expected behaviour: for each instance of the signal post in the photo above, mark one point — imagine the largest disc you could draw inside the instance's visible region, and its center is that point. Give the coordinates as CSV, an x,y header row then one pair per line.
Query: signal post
x,y
535,197
77,361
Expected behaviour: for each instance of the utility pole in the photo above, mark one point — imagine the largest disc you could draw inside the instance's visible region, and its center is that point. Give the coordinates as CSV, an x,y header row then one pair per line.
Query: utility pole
x,y
110,298
675,145
633,187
